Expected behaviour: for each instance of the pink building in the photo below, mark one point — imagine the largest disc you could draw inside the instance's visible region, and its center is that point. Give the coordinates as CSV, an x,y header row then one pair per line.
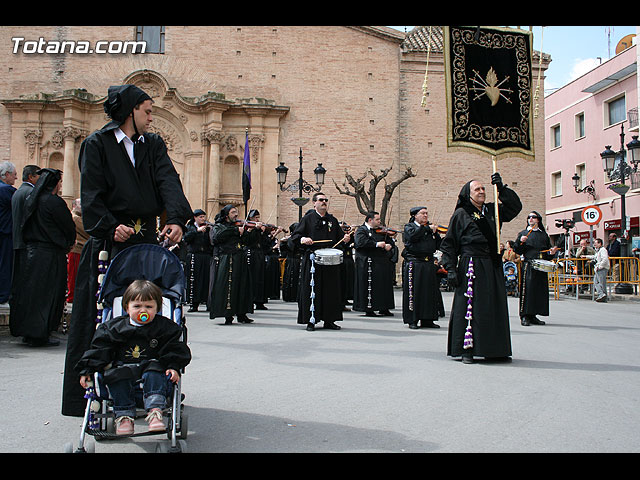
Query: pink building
x,y
581,119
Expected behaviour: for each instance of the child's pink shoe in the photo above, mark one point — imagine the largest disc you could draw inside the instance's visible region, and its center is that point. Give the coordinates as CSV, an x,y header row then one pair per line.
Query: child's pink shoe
x,y
154,418
124,425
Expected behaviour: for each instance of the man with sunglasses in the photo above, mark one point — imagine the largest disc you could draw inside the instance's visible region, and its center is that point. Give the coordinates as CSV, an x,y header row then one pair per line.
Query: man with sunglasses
x,y
318,229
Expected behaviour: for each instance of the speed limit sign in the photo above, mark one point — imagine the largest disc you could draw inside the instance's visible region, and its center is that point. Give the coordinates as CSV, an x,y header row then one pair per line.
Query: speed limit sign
x,y
591,215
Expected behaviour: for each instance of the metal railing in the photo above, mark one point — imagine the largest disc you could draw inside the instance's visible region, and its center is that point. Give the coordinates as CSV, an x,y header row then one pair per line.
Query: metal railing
x,y
576,274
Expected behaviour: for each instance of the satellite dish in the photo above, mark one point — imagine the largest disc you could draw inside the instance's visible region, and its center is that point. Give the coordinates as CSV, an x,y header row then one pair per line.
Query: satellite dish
x,y
625,43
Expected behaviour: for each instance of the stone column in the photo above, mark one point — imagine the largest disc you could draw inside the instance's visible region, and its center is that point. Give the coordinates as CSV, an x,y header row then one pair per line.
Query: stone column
x,y
213,181
70,136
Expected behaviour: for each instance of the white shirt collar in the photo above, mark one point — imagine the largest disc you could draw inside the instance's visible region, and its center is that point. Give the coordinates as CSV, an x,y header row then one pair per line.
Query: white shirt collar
x,y
128,143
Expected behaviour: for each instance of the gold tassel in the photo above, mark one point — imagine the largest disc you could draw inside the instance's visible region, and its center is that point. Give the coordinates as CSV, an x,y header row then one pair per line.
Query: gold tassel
x,y
424,85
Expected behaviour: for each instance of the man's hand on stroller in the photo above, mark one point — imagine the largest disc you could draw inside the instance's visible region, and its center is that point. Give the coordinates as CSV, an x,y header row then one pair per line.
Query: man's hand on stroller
x,y
85,381
173,375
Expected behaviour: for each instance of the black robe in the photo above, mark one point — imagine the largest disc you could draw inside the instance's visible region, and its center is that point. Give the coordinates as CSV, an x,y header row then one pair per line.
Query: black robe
x,y
291,273
534,284
231,291
465,239
348,267
420,283
48,234
327,286
374,272
112,192
254,250
197,264
272,266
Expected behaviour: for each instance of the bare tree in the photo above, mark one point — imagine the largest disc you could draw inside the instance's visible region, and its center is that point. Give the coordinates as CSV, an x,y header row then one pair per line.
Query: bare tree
x,y
366,198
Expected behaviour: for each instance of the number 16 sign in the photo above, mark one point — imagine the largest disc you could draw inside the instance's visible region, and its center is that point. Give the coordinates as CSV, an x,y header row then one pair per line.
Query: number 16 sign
x,y
591,215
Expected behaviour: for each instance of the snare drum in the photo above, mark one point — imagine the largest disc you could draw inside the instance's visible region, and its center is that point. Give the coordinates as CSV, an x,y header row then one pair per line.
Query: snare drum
x,y
328,256
544,265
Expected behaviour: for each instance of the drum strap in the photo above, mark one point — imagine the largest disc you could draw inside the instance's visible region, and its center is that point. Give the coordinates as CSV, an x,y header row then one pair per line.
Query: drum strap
x,y
312,307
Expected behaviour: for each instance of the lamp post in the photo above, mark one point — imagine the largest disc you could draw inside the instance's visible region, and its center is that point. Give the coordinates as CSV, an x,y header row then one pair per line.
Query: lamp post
x,y
300,185
588,189
620,172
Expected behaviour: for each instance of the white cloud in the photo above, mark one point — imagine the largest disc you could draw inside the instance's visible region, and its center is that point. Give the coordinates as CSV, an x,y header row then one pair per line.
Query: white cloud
x,y
582,66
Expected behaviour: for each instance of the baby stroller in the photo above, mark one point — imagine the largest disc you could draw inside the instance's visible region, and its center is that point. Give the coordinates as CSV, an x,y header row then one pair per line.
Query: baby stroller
x,y
156,264
511,278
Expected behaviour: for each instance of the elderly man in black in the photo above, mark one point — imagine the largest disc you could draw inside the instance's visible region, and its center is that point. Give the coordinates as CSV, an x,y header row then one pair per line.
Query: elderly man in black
x,y
127,181
420,283
479,323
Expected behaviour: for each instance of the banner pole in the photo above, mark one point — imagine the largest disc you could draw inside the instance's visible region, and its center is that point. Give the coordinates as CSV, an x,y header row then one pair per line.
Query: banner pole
x,y
497,212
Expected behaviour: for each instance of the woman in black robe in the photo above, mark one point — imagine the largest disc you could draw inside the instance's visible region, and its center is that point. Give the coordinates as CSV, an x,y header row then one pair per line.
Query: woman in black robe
x,y
479,324
420,283
121,202
231,285
534,243
198,260
49,232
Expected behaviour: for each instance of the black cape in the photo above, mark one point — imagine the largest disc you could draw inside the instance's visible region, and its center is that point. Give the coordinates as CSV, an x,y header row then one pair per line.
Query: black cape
x,y
374,271
197,264
49,233
231,290
112,192
420,283
327,286
155,346
534,284
471,234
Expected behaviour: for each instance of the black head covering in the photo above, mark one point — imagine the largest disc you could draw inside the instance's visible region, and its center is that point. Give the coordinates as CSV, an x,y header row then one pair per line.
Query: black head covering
x,y
199,211
464,197
49,178
413,212
253,213
224,213
540,226
120,102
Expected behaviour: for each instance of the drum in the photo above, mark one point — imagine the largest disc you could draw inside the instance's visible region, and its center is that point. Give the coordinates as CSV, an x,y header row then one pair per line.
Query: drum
x,y
328,256
544,265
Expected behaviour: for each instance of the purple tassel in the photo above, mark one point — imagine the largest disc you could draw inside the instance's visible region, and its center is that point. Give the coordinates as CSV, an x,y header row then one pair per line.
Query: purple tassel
x,y
468,335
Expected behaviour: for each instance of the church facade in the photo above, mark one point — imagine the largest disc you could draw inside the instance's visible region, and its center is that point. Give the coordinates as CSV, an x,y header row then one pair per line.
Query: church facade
x,y
349,98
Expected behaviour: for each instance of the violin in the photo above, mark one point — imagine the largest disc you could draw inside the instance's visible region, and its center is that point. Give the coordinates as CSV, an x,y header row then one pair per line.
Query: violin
x,y
253,224
387,231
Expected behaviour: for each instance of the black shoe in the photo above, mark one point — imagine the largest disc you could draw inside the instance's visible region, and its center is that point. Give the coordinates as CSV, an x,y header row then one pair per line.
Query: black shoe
x,y
311,327
261,306
524,321
370,313
331,326
467,359
244,319
385,313
414,326
228,320
38,342
428,324
536,321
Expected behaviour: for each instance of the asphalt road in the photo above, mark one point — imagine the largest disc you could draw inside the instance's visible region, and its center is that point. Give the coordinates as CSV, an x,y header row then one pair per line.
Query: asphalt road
x,y
573,385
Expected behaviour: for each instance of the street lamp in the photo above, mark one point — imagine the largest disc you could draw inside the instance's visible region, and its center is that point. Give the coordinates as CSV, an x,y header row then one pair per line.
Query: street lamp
x,y
589,189
300,185
620,172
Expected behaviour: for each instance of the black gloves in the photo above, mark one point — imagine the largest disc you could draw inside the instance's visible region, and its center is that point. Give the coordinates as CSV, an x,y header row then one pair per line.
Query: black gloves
x,y
496,180
452,278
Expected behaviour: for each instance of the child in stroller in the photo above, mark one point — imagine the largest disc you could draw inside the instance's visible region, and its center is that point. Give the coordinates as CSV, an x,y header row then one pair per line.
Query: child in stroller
x,y
138,345
139,349
511,277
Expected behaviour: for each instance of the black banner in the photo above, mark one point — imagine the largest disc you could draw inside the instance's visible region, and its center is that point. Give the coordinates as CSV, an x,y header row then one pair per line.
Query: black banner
x,y
489,89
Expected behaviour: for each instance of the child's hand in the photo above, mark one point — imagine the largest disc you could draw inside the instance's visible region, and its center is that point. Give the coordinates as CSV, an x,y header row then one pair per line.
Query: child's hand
x,y
173,375
85,380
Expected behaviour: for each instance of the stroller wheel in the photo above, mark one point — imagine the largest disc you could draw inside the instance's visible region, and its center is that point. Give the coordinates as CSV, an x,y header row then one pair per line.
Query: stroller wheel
x,y
164,447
